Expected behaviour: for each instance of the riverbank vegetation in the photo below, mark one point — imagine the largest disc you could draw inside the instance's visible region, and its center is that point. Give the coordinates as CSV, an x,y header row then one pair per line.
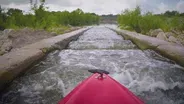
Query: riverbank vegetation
x,y
41,18
143,23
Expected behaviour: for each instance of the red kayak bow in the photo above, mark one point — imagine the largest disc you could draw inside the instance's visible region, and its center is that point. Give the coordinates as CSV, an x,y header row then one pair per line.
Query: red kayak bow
x,y
100,89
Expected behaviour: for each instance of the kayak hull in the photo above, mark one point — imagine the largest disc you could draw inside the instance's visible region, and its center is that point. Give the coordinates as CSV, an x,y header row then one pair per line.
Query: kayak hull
x,y
95,90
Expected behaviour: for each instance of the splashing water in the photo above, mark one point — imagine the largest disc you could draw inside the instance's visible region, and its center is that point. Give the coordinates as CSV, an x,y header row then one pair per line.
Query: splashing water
x,y
153,78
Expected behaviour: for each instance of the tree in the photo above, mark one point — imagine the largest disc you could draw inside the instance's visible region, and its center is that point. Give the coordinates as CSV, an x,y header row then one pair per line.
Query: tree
x,y
2,19
171,13
43,19
131,18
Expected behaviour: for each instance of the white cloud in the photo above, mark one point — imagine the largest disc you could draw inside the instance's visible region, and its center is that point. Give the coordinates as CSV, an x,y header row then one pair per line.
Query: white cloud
x,y
62,3
101,6
180,6
161,8
24,7
97,6
6,2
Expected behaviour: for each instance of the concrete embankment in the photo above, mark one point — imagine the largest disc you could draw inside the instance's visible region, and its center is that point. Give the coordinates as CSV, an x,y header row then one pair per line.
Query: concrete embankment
x,y
16,62
170,50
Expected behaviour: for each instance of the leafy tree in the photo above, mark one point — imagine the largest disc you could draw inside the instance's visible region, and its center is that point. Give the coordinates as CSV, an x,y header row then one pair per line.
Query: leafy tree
x,y
43,19
15,17
133,20
171,13
2,19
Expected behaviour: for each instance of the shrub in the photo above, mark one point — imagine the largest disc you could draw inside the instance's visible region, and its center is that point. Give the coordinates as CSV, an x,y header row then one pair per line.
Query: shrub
x,y
43,19
133,20
130,18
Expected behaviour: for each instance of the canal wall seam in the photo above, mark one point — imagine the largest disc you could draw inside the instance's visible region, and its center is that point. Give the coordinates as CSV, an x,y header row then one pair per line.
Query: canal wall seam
x,y
16,62
170,50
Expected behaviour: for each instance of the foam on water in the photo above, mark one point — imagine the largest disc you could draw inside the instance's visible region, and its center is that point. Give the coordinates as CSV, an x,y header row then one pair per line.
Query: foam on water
x,y
155,79
133,69
101,38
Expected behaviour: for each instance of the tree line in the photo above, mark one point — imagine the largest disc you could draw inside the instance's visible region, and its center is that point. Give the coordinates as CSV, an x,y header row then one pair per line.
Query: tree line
x,y
110,18
42,18
143,23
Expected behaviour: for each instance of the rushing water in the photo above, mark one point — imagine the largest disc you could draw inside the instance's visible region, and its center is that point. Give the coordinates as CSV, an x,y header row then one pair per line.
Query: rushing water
x,y
155,79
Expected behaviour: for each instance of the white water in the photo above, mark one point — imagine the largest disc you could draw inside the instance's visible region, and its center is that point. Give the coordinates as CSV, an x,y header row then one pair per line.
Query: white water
x,y
99,38
153,78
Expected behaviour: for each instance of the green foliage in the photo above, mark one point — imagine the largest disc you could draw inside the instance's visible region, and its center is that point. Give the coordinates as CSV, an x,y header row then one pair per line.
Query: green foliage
x,y
150,21
43,19
14,18
109,18
130,18
59,29
133,20
177,22
79,18
171,13
2,19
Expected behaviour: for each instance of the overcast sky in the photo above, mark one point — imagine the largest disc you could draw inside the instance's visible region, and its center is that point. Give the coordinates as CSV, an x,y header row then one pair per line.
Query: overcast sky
x,y
101,6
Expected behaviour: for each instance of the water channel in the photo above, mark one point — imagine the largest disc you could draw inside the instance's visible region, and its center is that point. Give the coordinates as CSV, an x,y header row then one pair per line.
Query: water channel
x,y
153,78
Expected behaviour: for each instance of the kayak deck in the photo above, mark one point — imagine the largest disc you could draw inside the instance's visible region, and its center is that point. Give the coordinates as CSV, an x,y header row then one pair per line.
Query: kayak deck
x,y
96,90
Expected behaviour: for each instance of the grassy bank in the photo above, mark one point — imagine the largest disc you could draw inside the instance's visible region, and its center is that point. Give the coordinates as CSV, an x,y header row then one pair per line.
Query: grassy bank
x,y
143,23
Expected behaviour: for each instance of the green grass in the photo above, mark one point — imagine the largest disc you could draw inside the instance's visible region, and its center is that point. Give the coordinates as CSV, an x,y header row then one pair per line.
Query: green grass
x,y
133,20
59,29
